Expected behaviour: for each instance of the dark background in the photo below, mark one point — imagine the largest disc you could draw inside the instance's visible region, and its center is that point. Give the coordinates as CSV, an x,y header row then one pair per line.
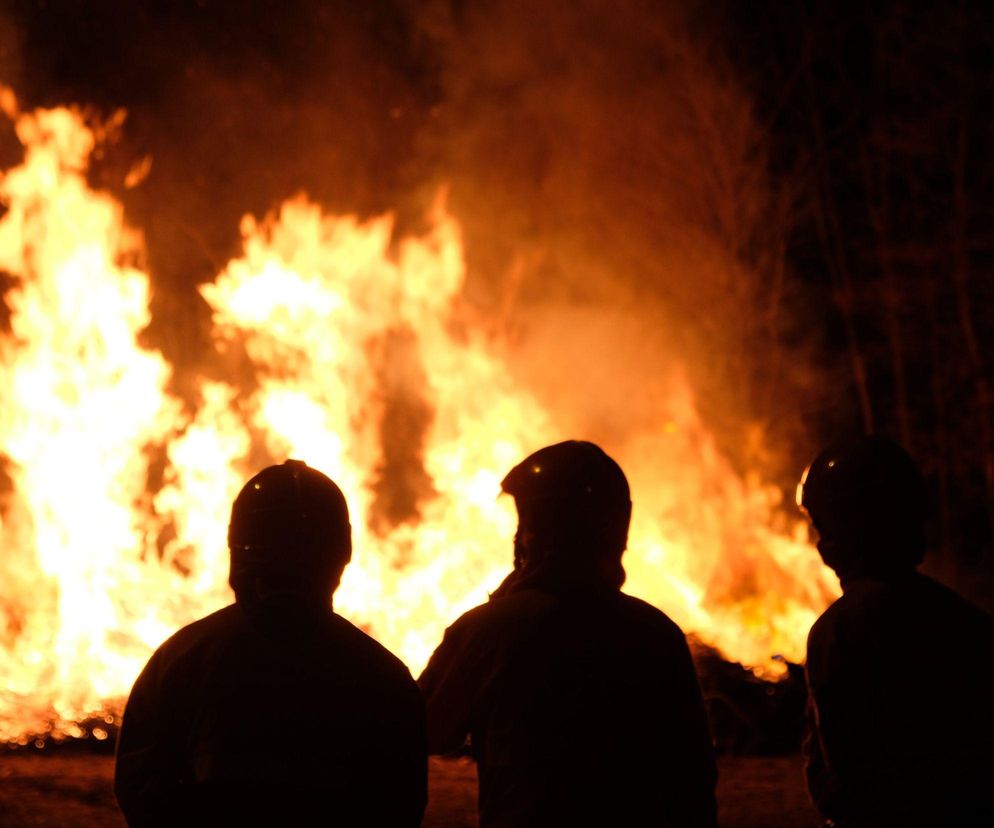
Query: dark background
x,y
835,155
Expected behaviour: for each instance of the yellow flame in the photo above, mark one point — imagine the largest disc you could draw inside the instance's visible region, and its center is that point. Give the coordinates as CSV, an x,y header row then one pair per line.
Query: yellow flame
x,y
80,402
354,336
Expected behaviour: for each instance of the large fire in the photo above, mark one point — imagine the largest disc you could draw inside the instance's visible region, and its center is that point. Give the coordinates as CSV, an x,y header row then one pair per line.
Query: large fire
x,y
101,559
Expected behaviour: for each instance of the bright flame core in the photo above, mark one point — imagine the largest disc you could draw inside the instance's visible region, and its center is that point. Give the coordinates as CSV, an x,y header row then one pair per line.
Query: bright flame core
x,y
362,367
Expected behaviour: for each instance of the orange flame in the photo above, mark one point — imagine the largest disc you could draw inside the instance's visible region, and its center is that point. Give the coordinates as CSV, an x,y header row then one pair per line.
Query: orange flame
x,y
340,320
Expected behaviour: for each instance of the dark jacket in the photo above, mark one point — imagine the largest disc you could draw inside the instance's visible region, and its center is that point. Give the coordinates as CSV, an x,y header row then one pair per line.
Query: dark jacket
x,y
901,681
289,718
582,706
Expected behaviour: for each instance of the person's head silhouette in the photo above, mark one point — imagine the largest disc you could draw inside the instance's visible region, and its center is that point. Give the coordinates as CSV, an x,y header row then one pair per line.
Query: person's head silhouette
x,y
574,508
866,499
289,537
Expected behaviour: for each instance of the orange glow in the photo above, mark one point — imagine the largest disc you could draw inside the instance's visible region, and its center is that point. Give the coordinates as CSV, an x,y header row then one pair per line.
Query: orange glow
x,y
96,570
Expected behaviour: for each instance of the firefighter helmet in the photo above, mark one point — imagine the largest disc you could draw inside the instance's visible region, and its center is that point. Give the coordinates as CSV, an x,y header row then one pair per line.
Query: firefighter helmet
x,y
868,475
288,518
575,483
866,494
572,470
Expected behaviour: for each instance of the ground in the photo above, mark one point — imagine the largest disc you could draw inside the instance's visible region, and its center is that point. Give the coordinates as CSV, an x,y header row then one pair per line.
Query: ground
x,y
74,791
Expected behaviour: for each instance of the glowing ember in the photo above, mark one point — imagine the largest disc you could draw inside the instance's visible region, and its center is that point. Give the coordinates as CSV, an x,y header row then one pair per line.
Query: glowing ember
x,y
363,367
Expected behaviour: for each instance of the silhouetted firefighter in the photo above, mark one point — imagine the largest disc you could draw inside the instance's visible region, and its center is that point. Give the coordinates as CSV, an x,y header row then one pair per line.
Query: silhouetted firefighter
x,y
274,710
900,669
581,703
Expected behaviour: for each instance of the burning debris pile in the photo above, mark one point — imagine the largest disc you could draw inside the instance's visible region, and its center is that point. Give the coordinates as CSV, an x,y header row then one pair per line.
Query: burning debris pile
x,y
749,714
334,341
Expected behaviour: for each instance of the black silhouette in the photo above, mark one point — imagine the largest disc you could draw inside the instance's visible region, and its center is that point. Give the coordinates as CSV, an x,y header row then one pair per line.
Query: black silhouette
x,y
275,710
581,703
900,669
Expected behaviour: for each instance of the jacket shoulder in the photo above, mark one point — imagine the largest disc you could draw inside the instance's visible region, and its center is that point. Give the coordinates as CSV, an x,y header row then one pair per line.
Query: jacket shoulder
x,y
518,611
370,652
651,615
504,612
225,621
